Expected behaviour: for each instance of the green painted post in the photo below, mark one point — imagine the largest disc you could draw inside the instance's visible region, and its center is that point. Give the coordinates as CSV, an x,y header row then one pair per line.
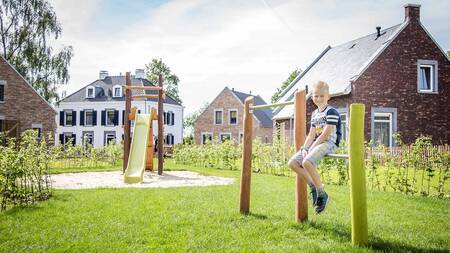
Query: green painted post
x,y
357,175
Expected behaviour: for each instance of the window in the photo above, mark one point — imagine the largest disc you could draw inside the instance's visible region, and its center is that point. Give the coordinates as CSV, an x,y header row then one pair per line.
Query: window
x,y
233,117
2,91
344,126
90,92
168,118
206,137
88,138
88,117
169,139
68,118
225,136
241,137
218,117
66,137
427,81
110,137
383,129
117,91
110,117
38,128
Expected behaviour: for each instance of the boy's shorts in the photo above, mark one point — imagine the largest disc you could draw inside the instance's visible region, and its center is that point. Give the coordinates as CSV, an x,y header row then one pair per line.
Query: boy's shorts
x,y
315,154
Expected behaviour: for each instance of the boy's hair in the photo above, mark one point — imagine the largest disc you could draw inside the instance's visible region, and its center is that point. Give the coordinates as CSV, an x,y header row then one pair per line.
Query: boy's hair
x,y
321,85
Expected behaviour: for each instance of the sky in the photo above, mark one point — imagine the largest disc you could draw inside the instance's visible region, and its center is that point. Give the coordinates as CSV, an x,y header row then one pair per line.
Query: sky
x,y
251,46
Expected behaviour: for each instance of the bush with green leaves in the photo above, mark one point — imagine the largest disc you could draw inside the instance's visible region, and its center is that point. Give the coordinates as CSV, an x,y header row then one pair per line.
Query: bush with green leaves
x,y
24,166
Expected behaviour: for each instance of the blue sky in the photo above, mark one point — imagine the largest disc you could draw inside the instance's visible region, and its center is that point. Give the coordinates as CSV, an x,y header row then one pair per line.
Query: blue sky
x,y
250,45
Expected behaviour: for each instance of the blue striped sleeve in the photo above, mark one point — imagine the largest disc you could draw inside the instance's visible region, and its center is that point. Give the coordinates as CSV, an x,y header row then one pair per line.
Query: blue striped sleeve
x,y
332,117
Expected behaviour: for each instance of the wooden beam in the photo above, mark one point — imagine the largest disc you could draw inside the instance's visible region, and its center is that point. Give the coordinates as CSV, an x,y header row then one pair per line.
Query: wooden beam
x,y
301,199
160,128
148,96
256,107
246,171
127,131
142,88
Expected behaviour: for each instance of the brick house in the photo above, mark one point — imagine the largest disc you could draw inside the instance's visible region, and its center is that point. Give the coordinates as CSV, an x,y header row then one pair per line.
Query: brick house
x,y
21,107
222,119
401,75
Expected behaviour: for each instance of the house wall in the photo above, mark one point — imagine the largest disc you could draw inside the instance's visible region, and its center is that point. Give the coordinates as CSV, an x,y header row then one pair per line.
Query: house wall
x,y
226,100
99,130
391,82
22,103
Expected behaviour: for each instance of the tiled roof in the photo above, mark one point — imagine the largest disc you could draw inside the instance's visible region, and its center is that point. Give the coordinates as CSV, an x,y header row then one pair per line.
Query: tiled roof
x,y
264,116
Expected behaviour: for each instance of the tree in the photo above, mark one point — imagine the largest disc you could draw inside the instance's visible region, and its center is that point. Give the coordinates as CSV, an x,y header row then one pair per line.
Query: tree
x,y
448,54
285,84
170,80
192,117
26,26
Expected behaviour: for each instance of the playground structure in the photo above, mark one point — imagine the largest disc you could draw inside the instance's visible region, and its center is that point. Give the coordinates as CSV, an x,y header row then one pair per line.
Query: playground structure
x,y
355,156
138,152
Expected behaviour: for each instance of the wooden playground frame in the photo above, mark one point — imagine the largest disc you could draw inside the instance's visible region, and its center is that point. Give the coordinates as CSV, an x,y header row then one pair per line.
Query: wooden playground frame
x,y
130,114
355,156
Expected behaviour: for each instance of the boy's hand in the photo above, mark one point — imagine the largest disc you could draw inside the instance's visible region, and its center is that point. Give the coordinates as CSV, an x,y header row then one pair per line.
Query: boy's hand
x,y
304,151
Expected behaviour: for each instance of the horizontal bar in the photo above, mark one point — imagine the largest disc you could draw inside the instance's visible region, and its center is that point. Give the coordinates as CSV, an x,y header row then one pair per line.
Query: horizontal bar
x,y
142,87
256,107
144,96
341,156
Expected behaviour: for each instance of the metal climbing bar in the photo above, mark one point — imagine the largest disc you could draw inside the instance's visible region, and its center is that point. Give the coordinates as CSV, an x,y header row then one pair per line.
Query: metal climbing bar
x,y
338,156
256,107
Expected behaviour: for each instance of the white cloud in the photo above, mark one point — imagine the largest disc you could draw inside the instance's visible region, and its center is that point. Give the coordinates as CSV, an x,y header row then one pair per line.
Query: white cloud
x,y
212,44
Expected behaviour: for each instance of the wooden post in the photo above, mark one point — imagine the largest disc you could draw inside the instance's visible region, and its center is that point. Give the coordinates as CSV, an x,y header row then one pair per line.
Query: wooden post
x,y
160,128
301,200
149,161
246,171
126,128
357,175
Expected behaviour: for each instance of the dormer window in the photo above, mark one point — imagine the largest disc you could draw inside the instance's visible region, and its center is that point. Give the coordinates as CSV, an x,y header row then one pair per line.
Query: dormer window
x,y
427,81
117,91
90,92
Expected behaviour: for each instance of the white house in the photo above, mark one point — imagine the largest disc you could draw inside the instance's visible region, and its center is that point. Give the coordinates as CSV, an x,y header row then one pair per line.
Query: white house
x,y
95,113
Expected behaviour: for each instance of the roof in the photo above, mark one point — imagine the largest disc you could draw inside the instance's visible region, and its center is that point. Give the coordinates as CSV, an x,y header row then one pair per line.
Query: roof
x,y
103,90
264,116
340,65
37,93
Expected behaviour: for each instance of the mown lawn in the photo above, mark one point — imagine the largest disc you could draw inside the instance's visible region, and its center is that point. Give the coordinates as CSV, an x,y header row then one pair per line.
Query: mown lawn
x,y
206,219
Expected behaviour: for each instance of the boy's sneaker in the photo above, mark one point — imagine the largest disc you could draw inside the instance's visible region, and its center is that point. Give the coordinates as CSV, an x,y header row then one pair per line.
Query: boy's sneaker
x,y
313,193
322,201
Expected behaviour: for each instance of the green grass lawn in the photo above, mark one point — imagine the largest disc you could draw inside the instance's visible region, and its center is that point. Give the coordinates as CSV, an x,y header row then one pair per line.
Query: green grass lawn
x,y
207,219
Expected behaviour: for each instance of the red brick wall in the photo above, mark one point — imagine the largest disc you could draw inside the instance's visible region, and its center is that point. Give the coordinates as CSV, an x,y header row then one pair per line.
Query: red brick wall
x,y
391,81
226,100
22,103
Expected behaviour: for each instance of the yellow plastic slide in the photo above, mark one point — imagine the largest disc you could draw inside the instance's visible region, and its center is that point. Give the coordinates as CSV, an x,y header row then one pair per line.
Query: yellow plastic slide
x,y
138,155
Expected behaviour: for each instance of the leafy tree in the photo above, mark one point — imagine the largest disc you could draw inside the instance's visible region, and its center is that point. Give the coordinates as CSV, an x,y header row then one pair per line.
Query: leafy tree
x,y
26,27
170,81
192,117
448,54
285,84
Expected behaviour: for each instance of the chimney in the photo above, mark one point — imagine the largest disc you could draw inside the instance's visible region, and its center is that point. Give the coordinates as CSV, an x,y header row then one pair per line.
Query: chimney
x,y
412,12
378,31
139,73
103,74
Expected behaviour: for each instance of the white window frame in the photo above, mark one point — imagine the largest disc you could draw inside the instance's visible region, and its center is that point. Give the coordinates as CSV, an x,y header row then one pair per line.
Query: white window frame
x,y
114,91
3,83
433,65
240,139
106,120
215,114
390,121
87,92
229,116
69,135
109,133
85,117
206,133
83,137
65,118
344,130
37,126
225,133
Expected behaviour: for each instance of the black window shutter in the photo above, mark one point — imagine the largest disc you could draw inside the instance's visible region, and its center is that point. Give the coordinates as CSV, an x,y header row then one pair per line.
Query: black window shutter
x,y
116,117
61,138
173,119
168,118
82,118
172,139
74,118
165,118
139,111
74,139
94,118
123,117
61,118
103,118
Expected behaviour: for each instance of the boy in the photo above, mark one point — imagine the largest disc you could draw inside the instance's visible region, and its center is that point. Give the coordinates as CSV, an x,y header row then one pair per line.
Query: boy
x,y
323,138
